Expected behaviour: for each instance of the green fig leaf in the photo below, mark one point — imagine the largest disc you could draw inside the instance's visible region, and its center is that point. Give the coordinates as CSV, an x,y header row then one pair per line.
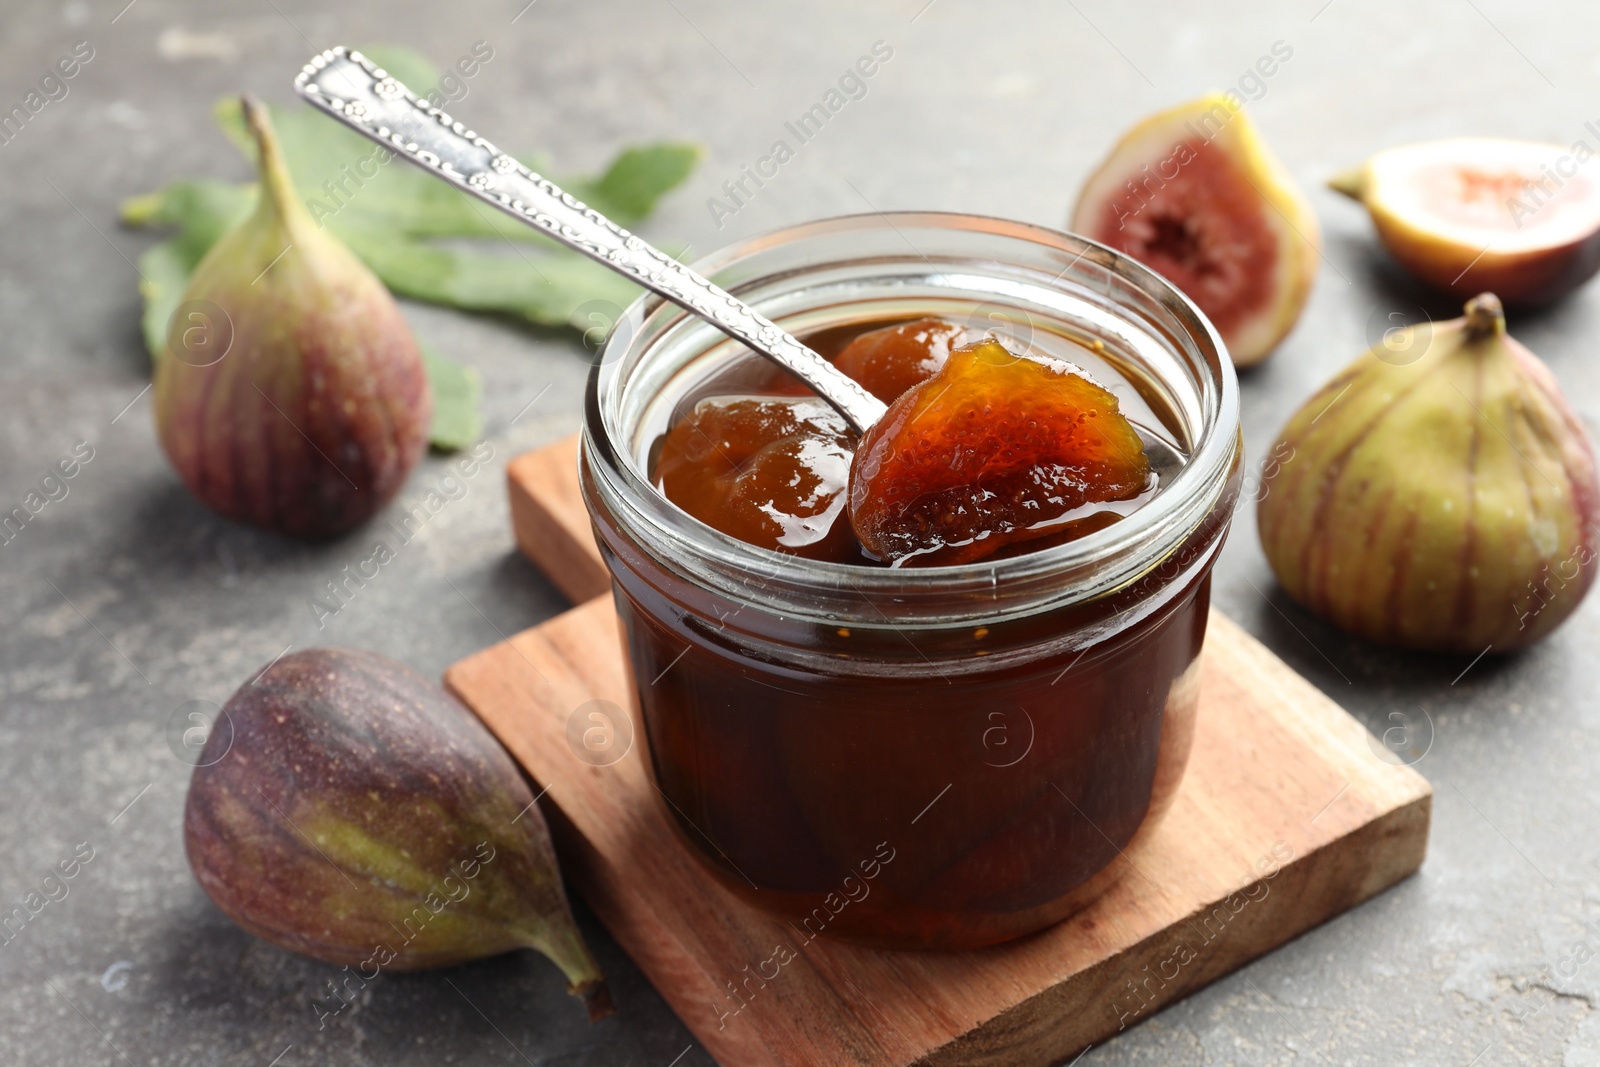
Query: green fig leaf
x,y
519,283
422,238
456,391
637,179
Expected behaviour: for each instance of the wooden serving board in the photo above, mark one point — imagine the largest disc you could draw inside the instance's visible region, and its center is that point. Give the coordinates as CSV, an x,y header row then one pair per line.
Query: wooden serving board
x,y
1286,817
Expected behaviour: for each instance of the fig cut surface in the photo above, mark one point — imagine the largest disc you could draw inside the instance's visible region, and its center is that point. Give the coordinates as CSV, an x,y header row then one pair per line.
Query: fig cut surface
x,y
1468,214
1194,194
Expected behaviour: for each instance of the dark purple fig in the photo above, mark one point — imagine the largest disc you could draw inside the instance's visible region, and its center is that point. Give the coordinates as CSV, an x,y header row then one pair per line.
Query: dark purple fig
x,y
292,395
358,814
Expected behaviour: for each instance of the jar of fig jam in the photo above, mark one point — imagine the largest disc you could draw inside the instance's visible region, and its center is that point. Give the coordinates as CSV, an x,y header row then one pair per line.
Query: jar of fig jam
x,y
919,757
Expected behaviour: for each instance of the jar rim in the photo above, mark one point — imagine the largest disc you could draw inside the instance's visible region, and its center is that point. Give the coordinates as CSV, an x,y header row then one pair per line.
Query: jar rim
x,y
1077,570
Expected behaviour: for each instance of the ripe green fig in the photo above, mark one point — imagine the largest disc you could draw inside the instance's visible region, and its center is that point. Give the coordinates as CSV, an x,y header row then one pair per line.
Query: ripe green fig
x,y
345,808
1438,494
292,394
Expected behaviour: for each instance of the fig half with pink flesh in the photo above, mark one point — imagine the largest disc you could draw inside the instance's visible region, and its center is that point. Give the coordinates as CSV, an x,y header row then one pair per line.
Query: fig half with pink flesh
x,y
1194,194
1468,214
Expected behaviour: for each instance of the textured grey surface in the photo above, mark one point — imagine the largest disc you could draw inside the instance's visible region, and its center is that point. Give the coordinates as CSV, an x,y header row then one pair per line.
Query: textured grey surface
x,y
126,598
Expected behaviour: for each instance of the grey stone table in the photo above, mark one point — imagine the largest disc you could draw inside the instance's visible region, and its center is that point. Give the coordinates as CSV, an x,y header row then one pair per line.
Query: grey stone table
x,y
126,598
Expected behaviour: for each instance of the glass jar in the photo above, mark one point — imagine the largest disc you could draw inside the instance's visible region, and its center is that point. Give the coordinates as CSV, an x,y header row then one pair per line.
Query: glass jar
x,y
940,757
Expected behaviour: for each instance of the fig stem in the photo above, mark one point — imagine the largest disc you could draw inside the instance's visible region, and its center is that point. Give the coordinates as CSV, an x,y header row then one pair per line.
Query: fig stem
x,y
596,998
1352,183
560,942
1485,316
278,194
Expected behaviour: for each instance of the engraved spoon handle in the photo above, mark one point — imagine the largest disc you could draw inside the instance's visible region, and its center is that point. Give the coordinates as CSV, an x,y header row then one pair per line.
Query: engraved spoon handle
x,y
351,88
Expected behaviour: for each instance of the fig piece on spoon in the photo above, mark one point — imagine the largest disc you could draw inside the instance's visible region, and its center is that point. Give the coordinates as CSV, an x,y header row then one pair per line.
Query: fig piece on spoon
x,y
1039,439
1469,214
994,449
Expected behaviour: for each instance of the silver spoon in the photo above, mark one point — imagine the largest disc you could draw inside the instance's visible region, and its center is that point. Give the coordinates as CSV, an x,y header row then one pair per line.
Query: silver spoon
x,y
363,96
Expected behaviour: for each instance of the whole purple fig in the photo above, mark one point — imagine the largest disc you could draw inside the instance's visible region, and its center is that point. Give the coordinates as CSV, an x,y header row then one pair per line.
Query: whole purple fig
x,y
292,394
345,808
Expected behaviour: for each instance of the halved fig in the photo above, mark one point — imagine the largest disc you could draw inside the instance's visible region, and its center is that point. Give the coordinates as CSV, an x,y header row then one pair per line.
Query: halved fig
x,y
1194,194
1468,214
994,449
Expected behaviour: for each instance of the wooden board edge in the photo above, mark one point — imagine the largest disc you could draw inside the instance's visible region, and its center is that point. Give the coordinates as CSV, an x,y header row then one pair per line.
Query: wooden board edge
x,y
550,523
1059,1023
457,676
1320,720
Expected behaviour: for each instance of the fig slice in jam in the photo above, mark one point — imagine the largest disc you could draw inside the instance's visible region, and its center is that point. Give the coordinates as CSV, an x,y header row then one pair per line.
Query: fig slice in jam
x,y
889,361
770,471
996,448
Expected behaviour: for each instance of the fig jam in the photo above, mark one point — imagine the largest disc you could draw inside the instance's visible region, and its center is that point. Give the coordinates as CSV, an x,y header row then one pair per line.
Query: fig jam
x,y
982,449
962,748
